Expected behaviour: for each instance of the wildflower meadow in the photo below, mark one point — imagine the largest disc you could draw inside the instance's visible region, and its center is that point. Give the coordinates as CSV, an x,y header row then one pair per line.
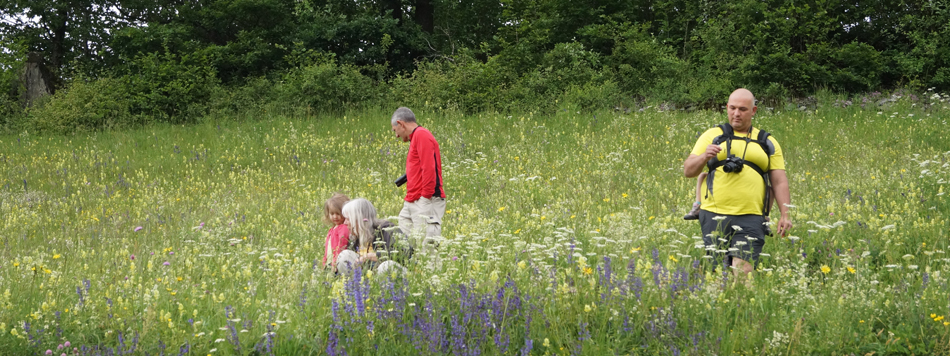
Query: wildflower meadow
x,y
563,236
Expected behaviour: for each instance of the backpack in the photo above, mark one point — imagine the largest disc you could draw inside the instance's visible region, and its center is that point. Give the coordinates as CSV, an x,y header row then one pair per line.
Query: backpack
x,y
763,140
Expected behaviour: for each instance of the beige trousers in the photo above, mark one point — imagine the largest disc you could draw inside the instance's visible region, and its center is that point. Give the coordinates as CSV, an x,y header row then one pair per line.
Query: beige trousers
x,y
423,217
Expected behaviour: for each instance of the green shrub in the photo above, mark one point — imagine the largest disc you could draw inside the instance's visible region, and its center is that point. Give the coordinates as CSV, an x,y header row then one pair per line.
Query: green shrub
x,y
83,105
567,67
859,68
168,88
251,99
462,83
326,86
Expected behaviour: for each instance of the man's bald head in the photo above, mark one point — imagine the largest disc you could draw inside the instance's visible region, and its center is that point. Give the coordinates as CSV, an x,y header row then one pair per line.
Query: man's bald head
x,y
743,94
741,108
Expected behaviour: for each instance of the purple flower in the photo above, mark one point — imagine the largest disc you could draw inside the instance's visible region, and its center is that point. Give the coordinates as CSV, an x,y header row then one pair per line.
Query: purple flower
x,y
166,263
49,352
132,257
66,344
171,253
137,229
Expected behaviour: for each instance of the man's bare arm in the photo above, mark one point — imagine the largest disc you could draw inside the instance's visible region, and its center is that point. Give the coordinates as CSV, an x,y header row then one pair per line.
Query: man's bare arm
x,y
783,197
694,164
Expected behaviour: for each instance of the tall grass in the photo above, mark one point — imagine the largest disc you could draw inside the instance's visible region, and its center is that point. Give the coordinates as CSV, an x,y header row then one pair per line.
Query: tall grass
x,y
563,235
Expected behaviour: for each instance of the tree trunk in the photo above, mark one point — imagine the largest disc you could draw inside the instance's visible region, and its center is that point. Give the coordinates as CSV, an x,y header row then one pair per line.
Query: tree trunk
x,y
36,80
424,14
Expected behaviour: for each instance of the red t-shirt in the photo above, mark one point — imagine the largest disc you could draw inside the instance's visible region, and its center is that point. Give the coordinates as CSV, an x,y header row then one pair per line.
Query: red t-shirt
x,y
337,239
423,166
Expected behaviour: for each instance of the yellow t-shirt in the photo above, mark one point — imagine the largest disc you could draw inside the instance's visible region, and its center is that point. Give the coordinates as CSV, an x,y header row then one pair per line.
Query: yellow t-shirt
x,y
738,193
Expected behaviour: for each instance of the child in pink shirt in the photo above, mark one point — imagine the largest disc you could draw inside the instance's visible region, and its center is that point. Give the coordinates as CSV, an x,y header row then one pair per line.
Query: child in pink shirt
x,y
339,235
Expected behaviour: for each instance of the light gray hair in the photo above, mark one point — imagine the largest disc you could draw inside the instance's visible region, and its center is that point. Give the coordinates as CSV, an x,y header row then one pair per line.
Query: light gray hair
x,y
403,114
362,215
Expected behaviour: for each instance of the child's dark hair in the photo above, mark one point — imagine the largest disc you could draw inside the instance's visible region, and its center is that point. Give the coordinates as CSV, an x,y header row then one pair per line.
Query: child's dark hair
x,y
334,205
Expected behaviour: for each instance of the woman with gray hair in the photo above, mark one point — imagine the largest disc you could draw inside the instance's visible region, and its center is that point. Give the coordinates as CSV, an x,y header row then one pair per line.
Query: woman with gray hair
x,y
374,243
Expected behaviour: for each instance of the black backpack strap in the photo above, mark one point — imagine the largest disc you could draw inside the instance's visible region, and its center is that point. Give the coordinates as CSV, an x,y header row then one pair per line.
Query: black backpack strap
x,y
727,135
769,149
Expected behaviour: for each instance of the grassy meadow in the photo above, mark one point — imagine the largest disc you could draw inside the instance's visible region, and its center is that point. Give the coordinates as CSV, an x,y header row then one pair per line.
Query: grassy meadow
x,y
563,236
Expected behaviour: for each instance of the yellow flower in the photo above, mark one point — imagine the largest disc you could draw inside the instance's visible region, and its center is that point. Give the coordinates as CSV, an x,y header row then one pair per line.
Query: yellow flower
x,y
57,256
587,308
501,209
588,271
673,258
651,217
624,195
825,269
16,264
862,321
635,249
933,316
522,265
939,318
851,269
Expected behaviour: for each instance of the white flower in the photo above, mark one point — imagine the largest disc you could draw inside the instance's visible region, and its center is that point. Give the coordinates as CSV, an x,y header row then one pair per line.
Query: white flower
x,y
794,238
908,257
912,266
719,217
888,227
218,340
765,254
737,227
741,243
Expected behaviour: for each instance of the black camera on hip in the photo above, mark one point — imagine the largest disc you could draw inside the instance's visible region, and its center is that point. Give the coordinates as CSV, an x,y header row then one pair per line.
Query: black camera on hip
x,y
732,164
401,181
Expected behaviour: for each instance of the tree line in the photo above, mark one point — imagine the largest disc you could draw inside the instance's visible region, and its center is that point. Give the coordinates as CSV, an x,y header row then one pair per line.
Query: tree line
x,y
128,62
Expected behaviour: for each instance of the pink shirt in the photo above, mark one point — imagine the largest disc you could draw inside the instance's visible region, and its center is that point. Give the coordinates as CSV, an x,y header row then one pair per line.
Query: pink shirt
x,y
337,239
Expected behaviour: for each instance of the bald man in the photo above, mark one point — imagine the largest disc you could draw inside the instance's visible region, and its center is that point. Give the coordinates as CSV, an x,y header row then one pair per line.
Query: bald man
x,y
746,171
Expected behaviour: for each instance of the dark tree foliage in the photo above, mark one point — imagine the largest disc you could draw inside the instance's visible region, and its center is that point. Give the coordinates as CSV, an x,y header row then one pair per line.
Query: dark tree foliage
x,y
477,54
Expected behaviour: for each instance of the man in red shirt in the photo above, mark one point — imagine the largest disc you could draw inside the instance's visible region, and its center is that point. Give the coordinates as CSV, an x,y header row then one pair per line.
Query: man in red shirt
x,y
424,205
